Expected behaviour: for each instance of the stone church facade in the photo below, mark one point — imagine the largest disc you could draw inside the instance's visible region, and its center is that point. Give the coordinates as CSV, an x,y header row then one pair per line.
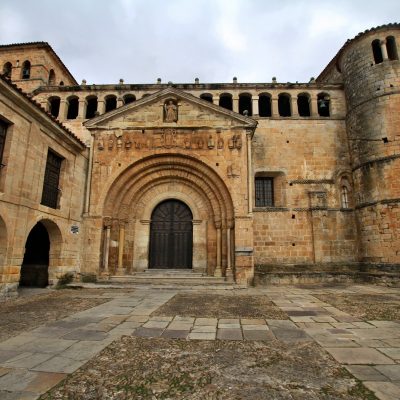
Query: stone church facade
x,y
277,182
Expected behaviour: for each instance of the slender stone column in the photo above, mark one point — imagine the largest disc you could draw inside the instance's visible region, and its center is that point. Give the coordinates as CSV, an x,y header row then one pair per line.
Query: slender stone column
x,y
81,109
121,245
216,99
62,114
314,106
275,107
235,104
249,174
229,271
295,111
255,106
106,248
101,106
384,50
218,269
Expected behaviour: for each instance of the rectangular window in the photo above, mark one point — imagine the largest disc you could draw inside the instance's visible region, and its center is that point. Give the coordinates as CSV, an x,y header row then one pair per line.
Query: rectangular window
x,y
264,192
3,132
50,193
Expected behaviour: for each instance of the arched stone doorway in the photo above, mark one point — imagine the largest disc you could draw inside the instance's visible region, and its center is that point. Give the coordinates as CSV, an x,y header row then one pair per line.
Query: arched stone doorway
x,y
135,193
35,266
171,236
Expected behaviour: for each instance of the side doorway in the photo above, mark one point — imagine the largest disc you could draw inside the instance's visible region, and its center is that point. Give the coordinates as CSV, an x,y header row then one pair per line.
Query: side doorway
x,y
35,266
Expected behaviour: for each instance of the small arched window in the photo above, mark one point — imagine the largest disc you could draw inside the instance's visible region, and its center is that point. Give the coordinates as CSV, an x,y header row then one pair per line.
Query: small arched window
x,y
52,77
303,105
129,98
73,107
61,83
26,70
54,106
377,51
264,105
225,101
91,106
207,97
7,68
245,104
324,105
391,48
284,107
344,197
111,103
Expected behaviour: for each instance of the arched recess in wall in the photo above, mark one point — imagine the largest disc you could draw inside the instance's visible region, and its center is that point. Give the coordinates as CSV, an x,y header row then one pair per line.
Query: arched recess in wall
x,y
377,51
129,98
3,243
345,191
225,101
110,102
284,105
264,105
52,77
137,190
245,104
7,69
26,70
207,97
91,106
392,48
73,107
324,104
54,106
304,104
42,254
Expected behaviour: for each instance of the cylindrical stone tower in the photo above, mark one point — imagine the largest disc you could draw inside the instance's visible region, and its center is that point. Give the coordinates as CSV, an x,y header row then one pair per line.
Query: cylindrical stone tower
x,y
370,69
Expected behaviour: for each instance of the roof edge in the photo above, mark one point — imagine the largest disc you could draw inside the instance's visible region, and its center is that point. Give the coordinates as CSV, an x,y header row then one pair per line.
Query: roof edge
x,y
43,111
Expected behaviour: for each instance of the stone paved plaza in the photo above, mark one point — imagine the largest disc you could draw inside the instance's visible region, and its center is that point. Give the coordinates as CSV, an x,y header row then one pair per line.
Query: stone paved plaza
x,y
34,361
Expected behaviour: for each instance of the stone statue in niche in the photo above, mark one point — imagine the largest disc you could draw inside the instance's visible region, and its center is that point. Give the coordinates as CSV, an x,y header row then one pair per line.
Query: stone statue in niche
x,y
110,144
220,144
119,142
100,144
170,111
238,142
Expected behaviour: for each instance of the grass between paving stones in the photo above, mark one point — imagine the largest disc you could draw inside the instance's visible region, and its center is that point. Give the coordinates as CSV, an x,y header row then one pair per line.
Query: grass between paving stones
x,y
143,368
25,313
209,305
366,306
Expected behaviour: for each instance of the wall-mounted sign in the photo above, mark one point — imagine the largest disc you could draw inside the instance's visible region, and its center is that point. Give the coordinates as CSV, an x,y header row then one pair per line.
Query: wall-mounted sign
x,y
74,229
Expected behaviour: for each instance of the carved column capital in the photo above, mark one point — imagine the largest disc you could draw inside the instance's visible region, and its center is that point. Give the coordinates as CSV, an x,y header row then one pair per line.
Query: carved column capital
x,y
107,222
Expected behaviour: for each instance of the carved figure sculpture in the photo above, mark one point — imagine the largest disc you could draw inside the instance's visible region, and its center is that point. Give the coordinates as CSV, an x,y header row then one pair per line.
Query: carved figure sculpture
x,y
171,112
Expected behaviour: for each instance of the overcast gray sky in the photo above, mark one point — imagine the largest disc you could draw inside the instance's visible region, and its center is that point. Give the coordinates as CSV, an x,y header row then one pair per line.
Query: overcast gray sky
x,y
179,40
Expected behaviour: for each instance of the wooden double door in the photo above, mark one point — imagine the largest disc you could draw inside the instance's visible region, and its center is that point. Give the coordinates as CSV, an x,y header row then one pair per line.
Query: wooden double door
x,y
171,236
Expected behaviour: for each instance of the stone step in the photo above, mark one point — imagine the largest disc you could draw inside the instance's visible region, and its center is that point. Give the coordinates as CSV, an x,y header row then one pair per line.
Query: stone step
x,y
169,279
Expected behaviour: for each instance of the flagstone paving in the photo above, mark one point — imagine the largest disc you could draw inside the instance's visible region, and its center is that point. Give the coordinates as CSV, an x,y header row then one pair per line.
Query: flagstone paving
x,y
34,360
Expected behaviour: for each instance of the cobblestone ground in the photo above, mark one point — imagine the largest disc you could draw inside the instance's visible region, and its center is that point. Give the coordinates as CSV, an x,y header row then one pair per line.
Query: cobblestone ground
x,y
313,348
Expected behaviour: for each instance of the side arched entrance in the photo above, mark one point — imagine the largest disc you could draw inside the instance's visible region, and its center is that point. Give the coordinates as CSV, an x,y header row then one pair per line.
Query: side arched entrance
x,y
42,256
35,266
171,236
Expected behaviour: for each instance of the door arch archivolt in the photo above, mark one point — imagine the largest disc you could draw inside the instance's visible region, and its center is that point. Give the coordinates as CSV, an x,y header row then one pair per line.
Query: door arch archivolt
x,y
142,186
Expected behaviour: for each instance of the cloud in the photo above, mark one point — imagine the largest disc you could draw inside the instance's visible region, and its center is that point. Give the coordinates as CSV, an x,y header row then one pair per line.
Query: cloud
x,y
178,40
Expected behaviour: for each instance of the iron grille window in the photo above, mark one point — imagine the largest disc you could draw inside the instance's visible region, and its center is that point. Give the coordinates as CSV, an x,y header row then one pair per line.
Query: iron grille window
x,y
3,131
51,180
264,192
